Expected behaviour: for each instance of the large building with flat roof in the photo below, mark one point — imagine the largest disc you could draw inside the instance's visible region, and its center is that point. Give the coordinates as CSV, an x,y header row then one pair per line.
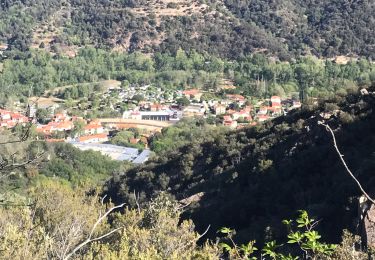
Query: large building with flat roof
x,y
155,115
148,115
116,152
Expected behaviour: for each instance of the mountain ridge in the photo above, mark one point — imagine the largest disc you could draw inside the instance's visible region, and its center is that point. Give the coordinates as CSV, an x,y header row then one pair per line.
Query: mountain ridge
x,y
230,29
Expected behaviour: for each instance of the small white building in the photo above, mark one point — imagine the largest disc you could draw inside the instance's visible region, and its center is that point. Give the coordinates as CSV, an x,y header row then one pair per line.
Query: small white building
x,y
194,109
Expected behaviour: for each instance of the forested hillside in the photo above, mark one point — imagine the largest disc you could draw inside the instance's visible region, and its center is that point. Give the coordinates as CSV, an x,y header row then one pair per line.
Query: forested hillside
x,y
248,179
225,28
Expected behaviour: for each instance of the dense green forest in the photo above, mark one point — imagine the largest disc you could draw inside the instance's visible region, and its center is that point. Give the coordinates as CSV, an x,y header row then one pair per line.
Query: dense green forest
x,y
248,179
255,75
225,28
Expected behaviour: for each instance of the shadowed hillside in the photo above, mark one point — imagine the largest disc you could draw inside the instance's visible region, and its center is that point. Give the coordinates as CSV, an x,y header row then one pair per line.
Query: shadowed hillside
x,y
252,178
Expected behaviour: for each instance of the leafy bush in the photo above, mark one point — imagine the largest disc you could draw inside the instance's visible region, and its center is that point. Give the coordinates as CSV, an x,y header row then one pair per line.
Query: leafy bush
x,y
303,236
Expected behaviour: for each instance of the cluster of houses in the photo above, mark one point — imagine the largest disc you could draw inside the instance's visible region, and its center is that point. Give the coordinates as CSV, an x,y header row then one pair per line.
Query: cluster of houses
x,y
261,111
62,124
233,109
63,128
9,119
147,92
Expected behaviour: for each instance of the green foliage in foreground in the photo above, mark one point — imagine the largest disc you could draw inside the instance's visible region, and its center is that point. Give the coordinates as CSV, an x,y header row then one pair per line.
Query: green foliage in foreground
x,y
52,220
42,226
301,234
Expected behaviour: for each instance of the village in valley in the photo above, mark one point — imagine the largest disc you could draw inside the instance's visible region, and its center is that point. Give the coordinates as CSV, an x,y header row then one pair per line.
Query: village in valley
x,y
141,111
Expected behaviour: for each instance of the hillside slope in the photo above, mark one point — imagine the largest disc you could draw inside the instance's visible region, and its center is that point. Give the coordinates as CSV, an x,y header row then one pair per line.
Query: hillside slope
x,y
227,28
251,178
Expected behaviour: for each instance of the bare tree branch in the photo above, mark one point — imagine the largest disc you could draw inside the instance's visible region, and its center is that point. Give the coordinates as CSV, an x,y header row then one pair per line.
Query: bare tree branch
x,y
195,240
102,200
5,166
90,239
341,156
204,233
137,202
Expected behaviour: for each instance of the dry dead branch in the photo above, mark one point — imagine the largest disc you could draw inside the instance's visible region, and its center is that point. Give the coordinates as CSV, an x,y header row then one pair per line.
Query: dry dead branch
x,y
341,156
90,238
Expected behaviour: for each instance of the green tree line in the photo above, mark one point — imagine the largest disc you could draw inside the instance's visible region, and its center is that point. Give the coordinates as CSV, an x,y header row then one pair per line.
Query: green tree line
x,y
255,75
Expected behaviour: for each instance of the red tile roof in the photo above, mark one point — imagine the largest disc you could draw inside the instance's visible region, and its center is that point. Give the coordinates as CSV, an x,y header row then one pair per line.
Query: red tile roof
x,y
133,140
91,137
276,98
191,92
227,118
236,97
92,126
